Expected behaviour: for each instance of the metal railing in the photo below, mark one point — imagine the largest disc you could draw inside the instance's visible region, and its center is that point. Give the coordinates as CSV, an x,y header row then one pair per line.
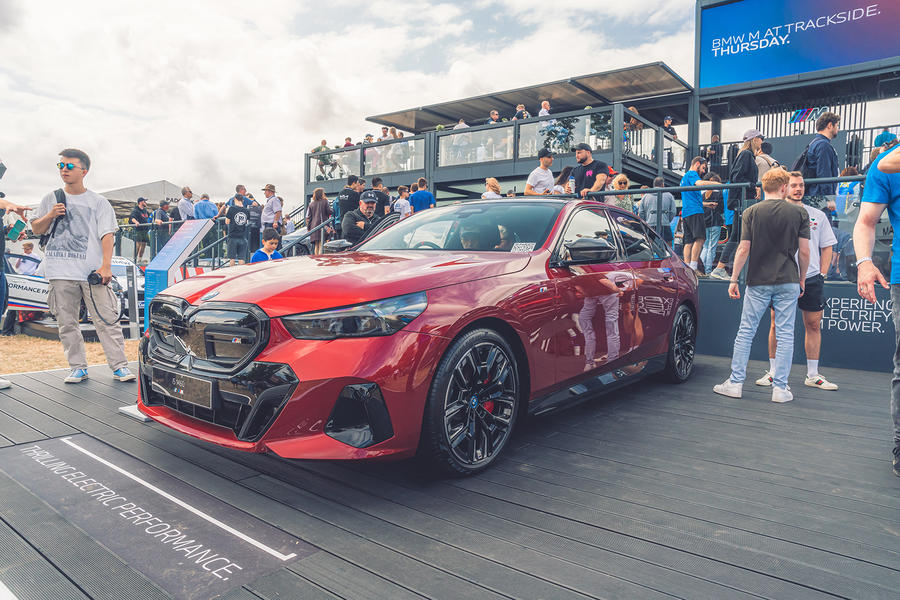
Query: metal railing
x,y
607,129
291,248
212,253
858,148
390,156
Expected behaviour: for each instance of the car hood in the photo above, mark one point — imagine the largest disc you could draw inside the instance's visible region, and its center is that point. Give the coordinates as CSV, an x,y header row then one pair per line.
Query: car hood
x,y
309,283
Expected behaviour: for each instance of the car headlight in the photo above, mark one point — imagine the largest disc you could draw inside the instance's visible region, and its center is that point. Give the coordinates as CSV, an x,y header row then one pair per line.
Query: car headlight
x,y
379,318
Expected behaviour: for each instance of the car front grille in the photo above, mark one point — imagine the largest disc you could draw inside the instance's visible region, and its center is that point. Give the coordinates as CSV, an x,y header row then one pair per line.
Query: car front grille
x,y
216,337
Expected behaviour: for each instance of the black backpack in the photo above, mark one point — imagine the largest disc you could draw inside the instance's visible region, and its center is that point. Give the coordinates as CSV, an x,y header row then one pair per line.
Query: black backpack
x,y
801,164
45,238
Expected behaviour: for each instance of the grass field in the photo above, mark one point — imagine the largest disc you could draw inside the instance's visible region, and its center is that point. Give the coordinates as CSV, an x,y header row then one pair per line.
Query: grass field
x,y
24,353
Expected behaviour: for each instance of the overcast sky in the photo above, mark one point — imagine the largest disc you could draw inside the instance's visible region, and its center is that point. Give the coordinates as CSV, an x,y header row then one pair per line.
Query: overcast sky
x,y
212,93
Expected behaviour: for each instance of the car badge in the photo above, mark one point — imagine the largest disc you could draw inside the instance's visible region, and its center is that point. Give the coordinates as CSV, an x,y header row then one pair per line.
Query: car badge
x,y
183,347
209,295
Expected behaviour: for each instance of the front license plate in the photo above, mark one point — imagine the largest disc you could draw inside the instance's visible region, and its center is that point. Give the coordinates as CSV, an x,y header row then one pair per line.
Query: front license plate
x,y
183,387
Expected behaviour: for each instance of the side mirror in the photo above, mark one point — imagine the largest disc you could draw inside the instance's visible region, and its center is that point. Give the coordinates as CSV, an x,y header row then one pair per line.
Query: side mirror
x,y
589,251
335,246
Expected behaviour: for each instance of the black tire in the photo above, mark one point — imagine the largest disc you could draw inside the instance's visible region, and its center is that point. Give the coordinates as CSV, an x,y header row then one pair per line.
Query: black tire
x,y
682,345
472,405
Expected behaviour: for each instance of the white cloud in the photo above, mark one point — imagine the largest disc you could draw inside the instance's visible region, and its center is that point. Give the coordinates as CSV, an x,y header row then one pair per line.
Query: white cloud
x,y
214,93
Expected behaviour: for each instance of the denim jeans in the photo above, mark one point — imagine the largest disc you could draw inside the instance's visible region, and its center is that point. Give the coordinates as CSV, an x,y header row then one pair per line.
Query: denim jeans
x,y
757,298
895,382
708,253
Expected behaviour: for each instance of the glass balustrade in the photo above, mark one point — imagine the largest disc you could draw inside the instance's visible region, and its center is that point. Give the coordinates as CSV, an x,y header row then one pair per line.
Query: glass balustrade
x,y
396,157
334,165
562,134
640,141
465,147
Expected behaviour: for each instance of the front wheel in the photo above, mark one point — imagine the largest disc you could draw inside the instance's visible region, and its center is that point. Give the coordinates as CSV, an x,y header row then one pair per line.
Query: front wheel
x,y
682,344
472,404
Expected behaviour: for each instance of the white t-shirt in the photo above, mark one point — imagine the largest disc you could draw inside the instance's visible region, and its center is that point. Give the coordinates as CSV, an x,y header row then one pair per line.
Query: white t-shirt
x,y
490,195
821,235
541,180
402,206
75,250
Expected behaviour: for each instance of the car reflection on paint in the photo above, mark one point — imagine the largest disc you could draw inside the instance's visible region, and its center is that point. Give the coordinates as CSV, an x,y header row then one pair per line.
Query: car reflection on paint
x,y
432,338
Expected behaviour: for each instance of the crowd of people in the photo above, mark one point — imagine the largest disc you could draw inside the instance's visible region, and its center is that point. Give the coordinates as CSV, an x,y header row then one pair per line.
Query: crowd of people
x,y
359,207
245,220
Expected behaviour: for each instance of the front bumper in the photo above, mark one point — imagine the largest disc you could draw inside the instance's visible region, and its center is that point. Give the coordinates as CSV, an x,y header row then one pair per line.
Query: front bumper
x,y
338,399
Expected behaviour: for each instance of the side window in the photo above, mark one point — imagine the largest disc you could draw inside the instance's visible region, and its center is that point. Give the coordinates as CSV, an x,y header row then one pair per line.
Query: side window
x,y
588,223
637,246
660,249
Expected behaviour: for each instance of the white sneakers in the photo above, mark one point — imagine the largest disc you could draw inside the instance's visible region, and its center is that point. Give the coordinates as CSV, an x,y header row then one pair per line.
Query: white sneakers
x,y
4,383
781,395
766,379
736,390
729,388
817,381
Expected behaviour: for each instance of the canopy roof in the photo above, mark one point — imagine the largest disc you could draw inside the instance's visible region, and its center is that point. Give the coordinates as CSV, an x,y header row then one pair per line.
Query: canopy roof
x,y
629,85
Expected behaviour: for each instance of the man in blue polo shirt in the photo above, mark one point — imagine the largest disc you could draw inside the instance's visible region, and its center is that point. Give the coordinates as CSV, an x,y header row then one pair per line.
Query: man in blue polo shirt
x,y
205,209
882,191
694,224
422,199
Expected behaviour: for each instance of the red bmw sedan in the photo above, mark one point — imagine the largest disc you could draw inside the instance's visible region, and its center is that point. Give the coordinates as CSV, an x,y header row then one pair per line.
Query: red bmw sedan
x,y
432,338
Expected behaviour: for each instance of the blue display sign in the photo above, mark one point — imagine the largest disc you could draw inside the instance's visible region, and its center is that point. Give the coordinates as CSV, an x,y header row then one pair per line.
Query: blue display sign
x,y
160,273
755,40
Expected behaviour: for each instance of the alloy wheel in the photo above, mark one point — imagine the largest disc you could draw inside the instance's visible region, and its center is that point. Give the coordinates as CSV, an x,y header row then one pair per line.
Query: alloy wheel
x,y
480,403
684,342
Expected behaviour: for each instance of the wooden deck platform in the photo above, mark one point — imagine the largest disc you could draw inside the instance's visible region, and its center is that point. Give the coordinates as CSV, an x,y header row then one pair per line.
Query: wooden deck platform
x,y
657,491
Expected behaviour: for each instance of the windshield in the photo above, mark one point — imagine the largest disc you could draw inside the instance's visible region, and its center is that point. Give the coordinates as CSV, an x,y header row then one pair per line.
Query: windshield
x,y
478,226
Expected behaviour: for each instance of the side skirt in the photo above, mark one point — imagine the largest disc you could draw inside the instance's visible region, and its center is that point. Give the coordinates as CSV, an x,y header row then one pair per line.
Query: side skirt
x,y
594,385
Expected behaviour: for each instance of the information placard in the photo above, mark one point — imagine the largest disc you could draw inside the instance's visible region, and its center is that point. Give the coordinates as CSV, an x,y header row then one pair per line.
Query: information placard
x,y
160,273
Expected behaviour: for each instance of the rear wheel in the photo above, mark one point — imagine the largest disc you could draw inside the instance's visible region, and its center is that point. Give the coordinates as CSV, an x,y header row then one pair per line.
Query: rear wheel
x,y
682,345
472,405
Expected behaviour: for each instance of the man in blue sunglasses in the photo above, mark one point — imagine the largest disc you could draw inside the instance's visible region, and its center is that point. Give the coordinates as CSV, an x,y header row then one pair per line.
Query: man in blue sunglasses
x,y
82,228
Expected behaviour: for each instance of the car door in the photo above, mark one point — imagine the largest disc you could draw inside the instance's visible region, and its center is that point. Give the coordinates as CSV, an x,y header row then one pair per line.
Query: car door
x,y
655,287
594,333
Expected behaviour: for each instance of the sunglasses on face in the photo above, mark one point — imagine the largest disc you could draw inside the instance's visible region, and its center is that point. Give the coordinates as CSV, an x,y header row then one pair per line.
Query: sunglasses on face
x,y
69,166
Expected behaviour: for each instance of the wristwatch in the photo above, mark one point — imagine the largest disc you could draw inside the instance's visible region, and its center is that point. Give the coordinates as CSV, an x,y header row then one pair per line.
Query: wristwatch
x,y
863,259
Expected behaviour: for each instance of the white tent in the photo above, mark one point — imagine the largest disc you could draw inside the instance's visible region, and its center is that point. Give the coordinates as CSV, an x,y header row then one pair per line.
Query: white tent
x,y
123,199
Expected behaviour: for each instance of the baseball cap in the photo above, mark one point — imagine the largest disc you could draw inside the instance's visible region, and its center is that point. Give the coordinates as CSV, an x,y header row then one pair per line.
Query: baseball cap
x,y
269,188
368,196
544,152
164,202
141,199
583,146
668,118
752,133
